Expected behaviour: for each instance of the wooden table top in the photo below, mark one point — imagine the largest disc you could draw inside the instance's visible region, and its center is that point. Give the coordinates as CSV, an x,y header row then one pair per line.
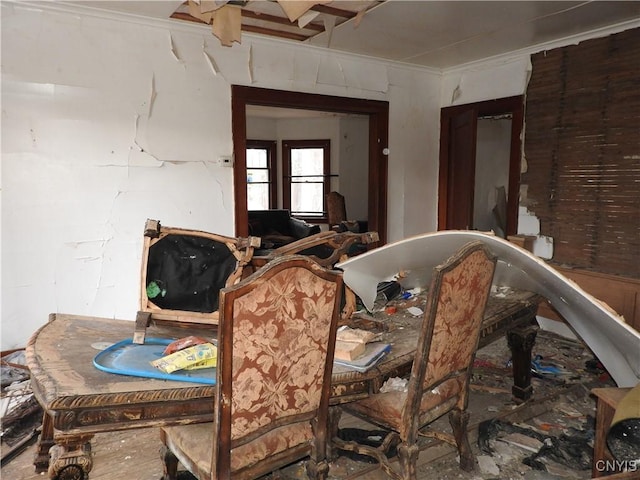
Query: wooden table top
x,y
503,312
79,397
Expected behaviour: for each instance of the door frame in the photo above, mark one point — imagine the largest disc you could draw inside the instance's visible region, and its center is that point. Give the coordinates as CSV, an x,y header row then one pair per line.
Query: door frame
x,y
377,111
502,106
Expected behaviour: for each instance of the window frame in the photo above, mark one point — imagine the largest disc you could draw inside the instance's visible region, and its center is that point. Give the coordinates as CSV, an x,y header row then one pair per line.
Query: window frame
x,y
287,146
271,147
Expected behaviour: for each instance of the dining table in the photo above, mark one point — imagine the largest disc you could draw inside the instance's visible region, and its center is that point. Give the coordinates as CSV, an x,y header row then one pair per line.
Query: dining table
x,y
80,400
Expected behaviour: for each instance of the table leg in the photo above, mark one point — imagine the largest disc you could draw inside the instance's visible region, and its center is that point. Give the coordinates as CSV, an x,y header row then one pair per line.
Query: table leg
x,y
71,458
521,341
45,442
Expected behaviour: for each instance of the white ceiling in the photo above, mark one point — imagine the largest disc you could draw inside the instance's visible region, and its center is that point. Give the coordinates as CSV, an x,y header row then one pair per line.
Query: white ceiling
x,y
444,34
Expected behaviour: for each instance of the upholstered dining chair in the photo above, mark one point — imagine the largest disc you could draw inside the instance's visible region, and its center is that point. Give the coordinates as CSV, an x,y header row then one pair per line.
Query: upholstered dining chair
x,y
439,380
183,271
276,340
327,249
336,210
337,215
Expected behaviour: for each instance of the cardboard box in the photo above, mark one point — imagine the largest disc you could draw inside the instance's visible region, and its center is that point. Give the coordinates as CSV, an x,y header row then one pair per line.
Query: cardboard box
x,y
349,350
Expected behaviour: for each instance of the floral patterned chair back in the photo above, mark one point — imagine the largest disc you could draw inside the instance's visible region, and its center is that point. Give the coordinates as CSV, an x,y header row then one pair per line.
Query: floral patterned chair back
x,y
451,328
275,356
439,380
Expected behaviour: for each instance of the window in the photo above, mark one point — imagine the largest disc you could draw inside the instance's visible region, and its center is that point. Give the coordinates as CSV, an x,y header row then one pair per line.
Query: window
x,y
306,165
261,175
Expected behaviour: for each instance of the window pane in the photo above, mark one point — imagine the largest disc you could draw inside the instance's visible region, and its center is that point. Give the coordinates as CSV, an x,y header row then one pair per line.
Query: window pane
x,y
256,158
254,175
307,198
307,161
258,196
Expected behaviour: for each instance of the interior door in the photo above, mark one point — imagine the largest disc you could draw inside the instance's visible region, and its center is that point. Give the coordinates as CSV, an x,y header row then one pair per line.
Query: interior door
x,y
458,140
462,166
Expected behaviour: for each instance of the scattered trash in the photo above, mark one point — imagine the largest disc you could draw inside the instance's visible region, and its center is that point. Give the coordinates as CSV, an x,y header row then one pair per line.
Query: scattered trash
x,y
623,440
14,368
501,291
523,441
543,369
21,415
387,291
573,449
395,384
487,465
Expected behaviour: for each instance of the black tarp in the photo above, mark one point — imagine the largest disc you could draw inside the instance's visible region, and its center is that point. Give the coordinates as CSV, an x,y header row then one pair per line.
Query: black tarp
x,y
186,272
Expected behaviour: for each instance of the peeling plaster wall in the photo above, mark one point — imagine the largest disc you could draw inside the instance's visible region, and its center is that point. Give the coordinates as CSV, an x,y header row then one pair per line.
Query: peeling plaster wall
x,y
353,168
110,120
414,138
486,81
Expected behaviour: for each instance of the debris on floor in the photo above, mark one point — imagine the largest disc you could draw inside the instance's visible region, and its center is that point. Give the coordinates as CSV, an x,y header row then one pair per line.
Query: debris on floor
x,y
549,437
561,410
573,448
20,412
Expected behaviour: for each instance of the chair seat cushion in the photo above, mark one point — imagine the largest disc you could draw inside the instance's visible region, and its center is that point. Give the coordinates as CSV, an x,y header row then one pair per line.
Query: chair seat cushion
x,y
196,440
386,408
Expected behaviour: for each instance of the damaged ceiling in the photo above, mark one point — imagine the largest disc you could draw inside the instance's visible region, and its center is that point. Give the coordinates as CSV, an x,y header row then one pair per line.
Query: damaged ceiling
x,y
291,20
436,34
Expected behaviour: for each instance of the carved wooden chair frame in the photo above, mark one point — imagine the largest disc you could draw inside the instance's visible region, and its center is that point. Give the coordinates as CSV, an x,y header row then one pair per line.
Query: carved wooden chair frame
x,y
252,434
438,383
241,249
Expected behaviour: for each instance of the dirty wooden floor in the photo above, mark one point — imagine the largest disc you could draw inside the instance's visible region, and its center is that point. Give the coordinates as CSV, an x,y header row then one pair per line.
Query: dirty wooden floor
x,y
561,405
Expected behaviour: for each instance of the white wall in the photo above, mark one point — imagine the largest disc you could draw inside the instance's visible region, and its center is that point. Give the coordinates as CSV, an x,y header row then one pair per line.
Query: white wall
x,y
261,128
353,179
108,121
414,137
493,147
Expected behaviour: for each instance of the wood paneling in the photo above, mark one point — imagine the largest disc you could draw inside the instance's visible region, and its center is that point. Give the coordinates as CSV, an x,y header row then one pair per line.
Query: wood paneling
x,y
620,293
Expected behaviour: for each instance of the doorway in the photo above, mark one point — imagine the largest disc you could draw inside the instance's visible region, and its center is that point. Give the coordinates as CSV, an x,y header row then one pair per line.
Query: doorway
x,y
463,180
378,116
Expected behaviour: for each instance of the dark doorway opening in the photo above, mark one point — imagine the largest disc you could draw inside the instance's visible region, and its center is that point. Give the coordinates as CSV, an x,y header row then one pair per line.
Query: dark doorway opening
x,y
457,199
377,112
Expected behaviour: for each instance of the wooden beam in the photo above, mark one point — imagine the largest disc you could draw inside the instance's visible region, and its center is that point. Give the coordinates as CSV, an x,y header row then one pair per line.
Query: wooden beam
x,y
275,33
279,20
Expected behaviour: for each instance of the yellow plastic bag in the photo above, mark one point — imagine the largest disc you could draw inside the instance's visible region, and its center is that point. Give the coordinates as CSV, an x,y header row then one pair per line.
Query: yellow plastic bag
x,y
189,358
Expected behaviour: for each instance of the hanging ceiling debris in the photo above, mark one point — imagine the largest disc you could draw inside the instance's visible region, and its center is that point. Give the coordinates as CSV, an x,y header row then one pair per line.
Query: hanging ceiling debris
x,y
292,20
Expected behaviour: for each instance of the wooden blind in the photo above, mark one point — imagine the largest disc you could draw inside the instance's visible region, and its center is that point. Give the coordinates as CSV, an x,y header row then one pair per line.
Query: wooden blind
x,y
582,148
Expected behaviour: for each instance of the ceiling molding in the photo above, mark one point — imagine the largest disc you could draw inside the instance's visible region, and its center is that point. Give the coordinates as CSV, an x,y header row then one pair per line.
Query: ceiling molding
x,y
558,43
